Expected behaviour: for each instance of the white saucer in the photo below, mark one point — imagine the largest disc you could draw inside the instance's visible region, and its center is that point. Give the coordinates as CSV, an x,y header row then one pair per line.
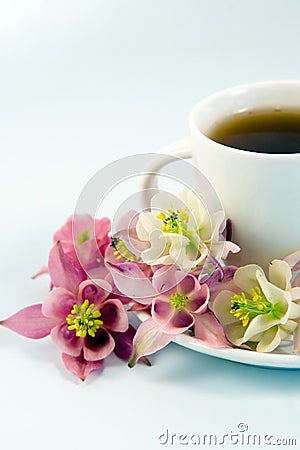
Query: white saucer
x,y
282,358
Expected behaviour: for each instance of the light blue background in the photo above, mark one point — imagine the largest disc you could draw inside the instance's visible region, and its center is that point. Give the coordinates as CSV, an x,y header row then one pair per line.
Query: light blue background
x,y
81,84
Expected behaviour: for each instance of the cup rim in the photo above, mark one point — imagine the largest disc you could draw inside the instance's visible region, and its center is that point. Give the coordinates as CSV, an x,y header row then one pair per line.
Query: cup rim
x,y
224,148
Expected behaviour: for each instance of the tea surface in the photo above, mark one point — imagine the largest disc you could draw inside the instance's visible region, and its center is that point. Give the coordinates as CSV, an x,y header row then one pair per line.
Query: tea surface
x,y
261,132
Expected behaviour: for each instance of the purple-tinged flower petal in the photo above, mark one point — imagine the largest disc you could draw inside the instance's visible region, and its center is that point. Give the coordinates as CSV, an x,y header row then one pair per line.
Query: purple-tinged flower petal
x,y
95,291
30,322
58,304
132,282
296,282
209,331
180,322
218,283
63,270
114,315
187,284
123,342
293,261
139,307
98,347
41,271
165,279
80,366
198,299
230,247
124,345
66,340
162,310
148,339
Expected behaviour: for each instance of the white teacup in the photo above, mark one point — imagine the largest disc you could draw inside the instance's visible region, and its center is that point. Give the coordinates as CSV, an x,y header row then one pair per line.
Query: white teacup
x,y
260,192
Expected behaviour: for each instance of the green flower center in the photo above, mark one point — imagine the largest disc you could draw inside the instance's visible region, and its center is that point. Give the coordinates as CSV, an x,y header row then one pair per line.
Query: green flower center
x,y
83,237
246,309
84,319
178,301
121,251
175,221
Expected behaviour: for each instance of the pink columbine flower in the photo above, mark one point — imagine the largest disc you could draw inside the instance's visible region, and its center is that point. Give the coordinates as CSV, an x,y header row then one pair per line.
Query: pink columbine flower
x,y
82,237
178,302
84,312
85,322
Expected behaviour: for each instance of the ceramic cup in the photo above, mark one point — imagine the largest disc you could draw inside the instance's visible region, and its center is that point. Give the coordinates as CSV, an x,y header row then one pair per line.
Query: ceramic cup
x,y
260,192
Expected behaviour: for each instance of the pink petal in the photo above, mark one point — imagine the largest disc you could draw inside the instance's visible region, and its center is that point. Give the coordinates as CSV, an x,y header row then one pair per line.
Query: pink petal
x,y
198,300
82,223
148,339
98,347
80,366
65,232
165,279
30,322
88,254
180,322
41,271
114,315
102,228
187,285
63,270
209,331
162,310
66,340
132,282
58,304
95,291
139,307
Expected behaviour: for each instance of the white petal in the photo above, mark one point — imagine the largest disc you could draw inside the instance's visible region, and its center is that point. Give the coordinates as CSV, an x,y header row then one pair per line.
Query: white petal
x,y
275,296
297,339
245,277
199,217
295,293
235,333
280,274
222,306
157,249
147,222
164,201
270,340
294,311
260,324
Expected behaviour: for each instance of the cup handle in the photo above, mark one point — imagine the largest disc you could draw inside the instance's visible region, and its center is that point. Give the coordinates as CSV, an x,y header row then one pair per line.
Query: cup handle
x,y
180,149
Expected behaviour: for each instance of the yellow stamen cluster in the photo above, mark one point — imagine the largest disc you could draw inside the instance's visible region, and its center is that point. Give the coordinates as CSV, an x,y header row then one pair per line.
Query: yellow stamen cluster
x,y
246,309
178,301
84,319
121,251
175,221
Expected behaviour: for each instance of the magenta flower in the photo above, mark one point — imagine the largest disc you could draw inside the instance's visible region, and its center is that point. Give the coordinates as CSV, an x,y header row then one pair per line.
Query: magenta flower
x,y
83,238
83,311
85,322
175,309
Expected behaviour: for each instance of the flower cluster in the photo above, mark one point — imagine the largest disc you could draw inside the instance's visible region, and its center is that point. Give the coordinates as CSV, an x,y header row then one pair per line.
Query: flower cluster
x,y
167,263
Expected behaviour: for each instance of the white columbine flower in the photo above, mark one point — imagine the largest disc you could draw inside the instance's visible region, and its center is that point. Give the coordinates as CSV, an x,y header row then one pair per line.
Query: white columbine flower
x,y
179,230
259,311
